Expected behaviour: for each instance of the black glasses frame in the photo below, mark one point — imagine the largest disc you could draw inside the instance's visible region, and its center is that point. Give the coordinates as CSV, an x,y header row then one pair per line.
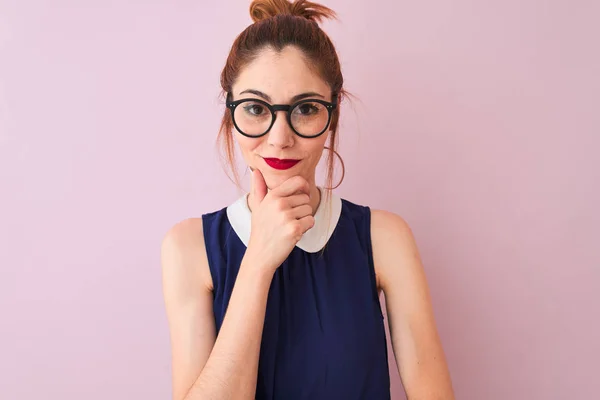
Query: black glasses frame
x,y
273,108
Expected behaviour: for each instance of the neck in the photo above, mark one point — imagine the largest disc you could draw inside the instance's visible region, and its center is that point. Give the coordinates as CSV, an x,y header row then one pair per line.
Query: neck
x,y
315,198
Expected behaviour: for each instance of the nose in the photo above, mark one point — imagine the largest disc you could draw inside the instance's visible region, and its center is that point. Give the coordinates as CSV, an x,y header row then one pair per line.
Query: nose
x,y
281,134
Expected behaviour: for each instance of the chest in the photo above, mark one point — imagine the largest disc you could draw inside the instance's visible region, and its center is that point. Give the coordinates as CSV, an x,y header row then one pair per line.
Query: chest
x,y
320,336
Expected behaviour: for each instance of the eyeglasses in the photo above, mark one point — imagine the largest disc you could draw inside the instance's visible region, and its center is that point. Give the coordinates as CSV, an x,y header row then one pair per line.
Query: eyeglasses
x,y
308,118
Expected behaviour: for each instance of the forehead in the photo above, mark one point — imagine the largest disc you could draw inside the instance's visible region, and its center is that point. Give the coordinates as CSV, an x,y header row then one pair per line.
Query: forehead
x,y
281,75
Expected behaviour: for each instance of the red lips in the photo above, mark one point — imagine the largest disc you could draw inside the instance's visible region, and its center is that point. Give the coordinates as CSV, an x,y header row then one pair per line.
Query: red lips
x,y
281,164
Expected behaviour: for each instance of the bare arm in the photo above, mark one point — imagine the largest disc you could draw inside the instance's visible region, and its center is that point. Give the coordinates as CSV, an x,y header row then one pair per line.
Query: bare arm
x,y
206,367
415,341
223,367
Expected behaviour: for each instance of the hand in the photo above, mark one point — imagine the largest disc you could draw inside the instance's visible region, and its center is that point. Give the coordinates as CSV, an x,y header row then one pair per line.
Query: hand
x,y
279,219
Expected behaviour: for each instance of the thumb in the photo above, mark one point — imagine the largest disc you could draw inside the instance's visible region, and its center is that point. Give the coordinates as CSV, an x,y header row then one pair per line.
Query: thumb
x,y
259,186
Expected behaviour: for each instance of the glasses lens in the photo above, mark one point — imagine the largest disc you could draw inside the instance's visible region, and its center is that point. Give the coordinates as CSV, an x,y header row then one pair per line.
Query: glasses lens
x,y
309,118
252,118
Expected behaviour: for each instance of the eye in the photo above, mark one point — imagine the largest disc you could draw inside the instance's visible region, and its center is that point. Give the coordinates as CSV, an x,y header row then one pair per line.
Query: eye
x,y
254,109
306,109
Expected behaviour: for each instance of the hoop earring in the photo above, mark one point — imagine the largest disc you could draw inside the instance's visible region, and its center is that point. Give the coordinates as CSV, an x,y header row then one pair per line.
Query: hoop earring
x,y
343,168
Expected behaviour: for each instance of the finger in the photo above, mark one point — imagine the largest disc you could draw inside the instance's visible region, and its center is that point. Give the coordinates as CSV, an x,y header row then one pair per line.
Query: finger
x,y
306,223
259,186
297,200
292,186
301,211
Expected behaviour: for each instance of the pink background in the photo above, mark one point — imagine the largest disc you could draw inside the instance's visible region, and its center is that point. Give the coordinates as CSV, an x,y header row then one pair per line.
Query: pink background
x,y
478,122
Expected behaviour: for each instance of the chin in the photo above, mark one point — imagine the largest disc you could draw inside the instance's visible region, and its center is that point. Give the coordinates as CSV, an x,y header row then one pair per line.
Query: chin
x,y
273,180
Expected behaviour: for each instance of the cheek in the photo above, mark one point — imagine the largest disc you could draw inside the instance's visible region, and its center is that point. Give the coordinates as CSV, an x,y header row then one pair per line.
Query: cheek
x,y
247,145
315,149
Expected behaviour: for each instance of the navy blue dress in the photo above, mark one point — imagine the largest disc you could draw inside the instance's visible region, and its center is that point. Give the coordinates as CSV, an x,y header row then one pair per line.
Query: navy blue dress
x,y
324,335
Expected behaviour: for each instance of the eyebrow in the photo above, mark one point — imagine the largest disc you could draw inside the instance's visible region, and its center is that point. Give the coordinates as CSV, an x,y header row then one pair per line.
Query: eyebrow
x,y
294,99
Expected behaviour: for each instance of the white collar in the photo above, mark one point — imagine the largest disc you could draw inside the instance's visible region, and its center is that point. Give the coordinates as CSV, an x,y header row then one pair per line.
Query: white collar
x,y
314,240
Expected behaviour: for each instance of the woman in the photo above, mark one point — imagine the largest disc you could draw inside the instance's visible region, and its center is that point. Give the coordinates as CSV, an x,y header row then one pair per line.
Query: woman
x,y
298,270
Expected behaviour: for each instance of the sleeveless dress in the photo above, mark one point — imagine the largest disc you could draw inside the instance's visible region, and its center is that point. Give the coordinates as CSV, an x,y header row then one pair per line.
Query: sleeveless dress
x,y
323,335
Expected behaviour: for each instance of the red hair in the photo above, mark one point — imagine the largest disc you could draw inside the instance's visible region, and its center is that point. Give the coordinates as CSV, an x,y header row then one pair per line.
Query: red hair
x,y
277,24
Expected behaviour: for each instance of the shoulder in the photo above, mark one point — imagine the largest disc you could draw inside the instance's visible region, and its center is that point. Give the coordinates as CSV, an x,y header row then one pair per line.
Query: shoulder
x,y
182,230
387,229
394,246
183,255
385,223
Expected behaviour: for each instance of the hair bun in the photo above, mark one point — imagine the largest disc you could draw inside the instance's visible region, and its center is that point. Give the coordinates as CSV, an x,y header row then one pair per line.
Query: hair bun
x,y
264,9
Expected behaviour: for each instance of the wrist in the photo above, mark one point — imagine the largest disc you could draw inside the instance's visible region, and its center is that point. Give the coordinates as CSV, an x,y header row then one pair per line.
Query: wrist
x,y
257,265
